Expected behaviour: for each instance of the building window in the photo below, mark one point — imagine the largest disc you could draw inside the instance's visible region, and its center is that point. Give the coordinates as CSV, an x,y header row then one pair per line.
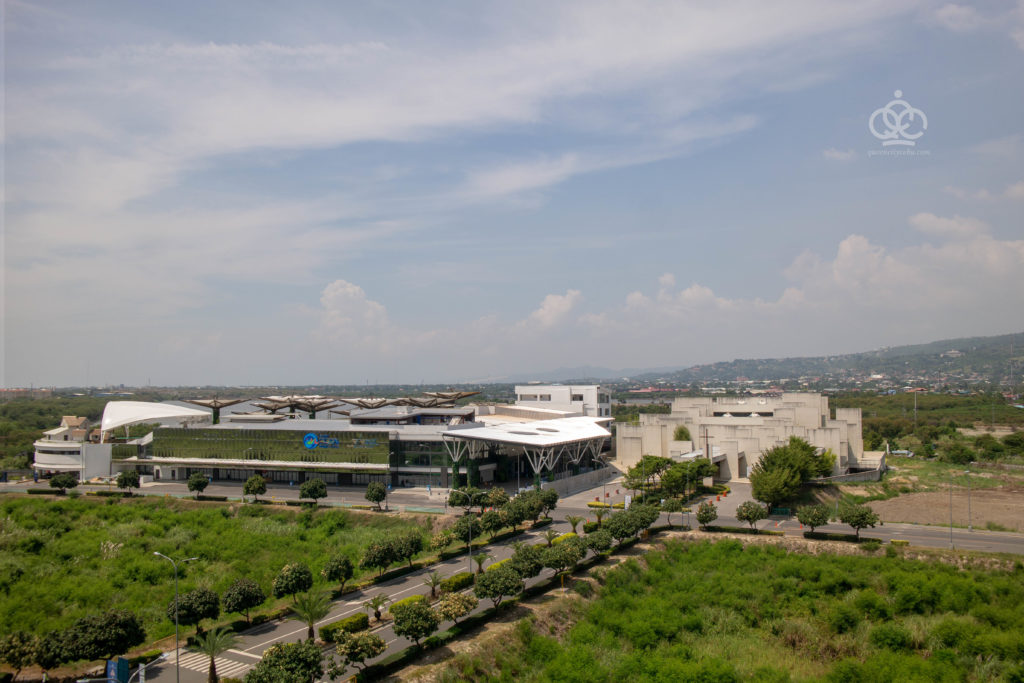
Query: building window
x,y
545,397
528,397
577,398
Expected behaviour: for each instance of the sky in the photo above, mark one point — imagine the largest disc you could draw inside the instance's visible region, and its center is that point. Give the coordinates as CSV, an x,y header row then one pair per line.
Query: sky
x,y
253,193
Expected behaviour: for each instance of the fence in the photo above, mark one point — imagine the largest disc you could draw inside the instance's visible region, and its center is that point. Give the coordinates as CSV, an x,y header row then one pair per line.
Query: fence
x,y
567,486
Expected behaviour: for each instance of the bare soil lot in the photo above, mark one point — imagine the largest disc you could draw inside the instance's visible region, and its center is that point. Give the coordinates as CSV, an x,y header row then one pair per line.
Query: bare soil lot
x,y
1003,507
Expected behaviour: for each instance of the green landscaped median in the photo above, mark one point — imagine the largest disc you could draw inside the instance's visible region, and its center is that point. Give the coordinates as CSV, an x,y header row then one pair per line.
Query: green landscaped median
x,y
64,559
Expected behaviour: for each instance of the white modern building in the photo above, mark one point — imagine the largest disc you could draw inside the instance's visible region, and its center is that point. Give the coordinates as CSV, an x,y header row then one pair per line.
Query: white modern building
x,y
68,448
588,400
735,430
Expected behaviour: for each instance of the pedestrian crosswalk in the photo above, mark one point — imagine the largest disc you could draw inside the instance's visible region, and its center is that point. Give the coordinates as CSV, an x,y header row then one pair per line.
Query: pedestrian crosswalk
x,y
197,661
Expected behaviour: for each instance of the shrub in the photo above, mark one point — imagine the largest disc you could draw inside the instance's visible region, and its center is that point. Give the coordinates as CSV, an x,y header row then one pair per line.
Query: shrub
x,y
351,624
457,582
596,504
871,545
891,637
412,599
618,506
899,542
843,618
590,527
563,538
496,565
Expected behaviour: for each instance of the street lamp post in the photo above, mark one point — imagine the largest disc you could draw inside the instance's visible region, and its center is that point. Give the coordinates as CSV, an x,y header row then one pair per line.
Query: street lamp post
x,y
968,473
177,654
469,532
951,512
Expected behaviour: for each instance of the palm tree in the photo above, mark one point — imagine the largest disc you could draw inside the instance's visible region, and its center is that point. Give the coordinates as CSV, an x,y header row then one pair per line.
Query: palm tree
x,y
211,644
599,513
433,582
550,535
376,603
310,608
574,520
480,558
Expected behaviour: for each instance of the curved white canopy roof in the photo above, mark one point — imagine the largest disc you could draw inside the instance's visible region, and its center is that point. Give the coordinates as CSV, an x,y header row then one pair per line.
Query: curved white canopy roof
x,y
537,434
119,413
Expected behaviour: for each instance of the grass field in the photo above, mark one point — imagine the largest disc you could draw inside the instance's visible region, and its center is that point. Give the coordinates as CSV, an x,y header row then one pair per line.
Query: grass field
x,y
63,559
725,612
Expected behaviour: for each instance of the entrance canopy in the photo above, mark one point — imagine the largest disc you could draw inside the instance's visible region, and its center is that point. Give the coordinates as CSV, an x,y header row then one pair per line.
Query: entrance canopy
x,y
120,413
543,442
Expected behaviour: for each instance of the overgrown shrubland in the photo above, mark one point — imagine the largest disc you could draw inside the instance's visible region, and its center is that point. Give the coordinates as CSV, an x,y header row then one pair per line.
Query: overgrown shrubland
x,y
726,612
62,560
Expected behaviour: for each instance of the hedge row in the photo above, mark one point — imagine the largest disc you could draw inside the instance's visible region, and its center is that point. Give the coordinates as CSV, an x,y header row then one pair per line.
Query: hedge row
x,y
497,564
746,530
848,538
352,624
412,599
563,538
457,582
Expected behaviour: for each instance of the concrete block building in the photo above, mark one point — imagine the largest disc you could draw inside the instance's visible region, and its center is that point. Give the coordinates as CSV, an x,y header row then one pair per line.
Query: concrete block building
x,y
735,430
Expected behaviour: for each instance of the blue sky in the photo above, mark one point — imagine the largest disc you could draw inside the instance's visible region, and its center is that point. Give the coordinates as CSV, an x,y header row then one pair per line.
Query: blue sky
x,y
249,193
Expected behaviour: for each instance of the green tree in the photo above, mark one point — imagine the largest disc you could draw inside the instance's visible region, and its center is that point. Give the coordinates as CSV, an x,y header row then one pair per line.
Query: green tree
x,y
292,579
442,539
103,636
355,648
452,606
377,603
313,489
465,498
574,521
414,620
620,526
550,535
194,606
751,513
212,644
339,569
548,501
480,559
378,555
497,497
681,433
671,505
128,479
466,528
243,595
774,486
599,514
310,608
562,557
515,512
255,486
18,650
406,545
433,582
706,513
300,662
526,560
859,517
63,481
51,650
495,585
376,492
599,541
813,515
197,482
492,522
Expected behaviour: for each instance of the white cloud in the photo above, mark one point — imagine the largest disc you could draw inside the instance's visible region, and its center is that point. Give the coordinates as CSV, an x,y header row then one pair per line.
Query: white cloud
x,y
959,18
554,308
839,155
1007,147
1015,191
956,227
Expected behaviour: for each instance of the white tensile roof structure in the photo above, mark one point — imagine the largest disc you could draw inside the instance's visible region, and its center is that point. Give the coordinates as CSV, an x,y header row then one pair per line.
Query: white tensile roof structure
x,y
120,413
541,441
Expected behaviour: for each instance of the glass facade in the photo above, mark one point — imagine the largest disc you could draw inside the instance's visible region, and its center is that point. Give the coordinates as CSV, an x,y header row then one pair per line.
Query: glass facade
x,y
272,444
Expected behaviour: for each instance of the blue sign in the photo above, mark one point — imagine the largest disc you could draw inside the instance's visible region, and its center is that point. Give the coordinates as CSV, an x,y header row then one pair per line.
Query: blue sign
x,y
310,440
313,440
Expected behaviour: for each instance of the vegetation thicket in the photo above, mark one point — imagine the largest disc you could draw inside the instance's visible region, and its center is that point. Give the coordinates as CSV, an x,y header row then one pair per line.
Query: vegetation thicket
x,y
725,612
67,559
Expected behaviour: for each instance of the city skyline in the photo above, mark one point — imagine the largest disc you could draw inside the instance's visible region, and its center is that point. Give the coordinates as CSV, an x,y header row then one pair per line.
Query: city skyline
x,y
338,194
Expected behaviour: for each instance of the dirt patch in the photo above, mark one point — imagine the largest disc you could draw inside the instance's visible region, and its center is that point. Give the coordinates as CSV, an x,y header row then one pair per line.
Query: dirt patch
x,y
1003,507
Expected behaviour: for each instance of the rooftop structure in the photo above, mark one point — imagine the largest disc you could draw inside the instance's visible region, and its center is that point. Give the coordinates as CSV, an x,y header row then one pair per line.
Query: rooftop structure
x,y
588,400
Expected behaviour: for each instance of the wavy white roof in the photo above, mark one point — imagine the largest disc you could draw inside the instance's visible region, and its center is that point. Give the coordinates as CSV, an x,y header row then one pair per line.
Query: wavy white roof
x,y
120,413
539,433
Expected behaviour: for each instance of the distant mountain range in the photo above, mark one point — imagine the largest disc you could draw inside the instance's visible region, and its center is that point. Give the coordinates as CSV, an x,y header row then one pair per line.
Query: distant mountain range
x,y
981,358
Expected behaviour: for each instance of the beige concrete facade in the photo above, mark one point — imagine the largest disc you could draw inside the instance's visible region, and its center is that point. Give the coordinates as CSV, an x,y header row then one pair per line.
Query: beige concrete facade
x,y
740,428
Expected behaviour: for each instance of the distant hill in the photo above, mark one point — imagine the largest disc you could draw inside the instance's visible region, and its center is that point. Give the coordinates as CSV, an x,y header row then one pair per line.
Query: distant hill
x,y
984,359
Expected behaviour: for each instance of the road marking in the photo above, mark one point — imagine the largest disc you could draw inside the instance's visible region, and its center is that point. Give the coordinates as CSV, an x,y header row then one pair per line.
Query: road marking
x,y
244,654
197,661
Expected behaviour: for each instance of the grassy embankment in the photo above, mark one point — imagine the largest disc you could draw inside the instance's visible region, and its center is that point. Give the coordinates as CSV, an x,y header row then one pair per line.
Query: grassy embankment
x,y
724,612
64,559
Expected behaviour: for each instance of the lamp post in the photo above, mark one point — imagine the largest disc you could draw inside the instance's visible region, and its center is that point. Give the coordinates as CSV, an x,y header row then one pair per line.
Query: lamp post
x,y
968,473
469,532
177,654
950,511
